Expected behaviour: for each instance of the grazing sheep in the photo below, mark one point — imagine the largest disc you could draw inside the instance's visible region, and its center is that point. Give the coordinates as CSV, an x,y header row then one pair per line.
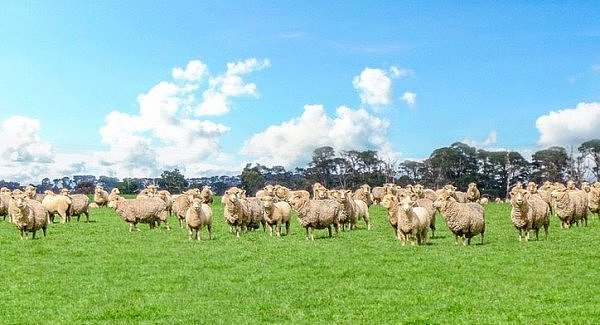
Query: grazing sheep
x,y
79,204
353,209
316,214
529,212
465,220
378,193
56,203
100,196
197,216
276,213
28,215
391,203
473,194
570,206
364,194
143,210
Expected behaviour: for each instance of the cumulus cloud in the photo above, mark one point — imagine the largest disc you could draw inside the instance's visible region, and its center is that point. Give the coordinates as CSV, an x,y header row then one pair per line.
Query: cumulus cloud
x,y
570,126
409,98
491,139
374,87
291,143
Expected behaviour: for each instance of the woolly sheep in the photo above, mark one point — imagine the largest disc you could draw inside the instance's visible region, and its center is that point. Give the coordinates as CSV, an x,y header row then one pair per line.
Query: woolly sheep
x,y
570,206
465,220
275,214
460,197
353,209
428,205
79,204
4,202
529,211
319,192
364,194
4,191
377,193
413,222
100,196
317,214
197,216
593,198
28,215
391,203
473,193
265,191
142,210
484,200
206,195
230,213
56,203
180,206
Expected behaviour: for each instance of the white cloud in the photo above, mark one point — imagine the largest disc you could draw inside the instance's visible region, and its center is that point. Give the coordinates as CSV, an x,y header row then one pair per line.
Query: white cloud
x,y
409,98
194,71
570,126
291,143
374,87
398,72
487,144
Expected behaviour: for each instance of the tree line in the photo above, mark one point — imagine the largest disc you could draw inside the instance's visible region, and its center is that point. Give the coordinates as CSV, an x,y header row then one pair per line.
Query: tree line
x,y
458,164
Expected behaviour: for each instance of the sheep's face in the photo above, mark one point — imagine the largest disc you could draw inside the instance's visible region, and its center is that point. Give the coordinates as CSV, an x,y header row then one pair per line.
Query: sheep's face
x,y
64,191
517,198
19,200
366,188
267,202
558,194
196,204
443,200
407,203
389,201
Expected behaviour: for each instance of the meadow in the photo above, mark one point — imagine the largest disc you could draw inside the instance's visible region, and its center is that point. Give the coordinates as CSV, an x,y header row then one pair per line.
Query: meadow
x,y
99,272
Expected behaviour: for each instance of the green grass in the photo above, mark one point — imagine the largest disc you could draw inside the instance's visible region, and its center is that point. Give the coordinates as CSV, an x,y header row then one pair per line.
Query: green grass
x,y
98,272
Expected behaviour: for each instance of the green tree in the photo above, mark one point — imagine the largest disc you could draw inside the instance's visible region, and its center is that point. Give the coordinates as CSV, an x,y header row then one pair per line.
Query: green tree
x,y
550,164
172,181
252,179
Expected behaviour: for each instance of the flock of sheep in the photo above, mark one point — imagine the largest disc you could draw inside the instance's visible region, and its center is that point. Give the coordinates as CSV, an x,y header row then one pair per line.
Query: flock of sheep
x,y
411,211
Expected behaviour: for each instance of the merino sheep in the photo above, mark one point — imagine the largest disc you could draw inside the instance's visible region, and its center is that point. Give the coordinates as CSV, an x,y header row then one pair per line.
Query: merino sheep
x,y
391,203
4,202
283,193
28,215
197,216
465,220
100,196
56,203
265,191
234,219
460,197
413,222
364,194
529,212
570,206
378,192
79,204
143,210
593,198
319,192
275,214
353,209
473,194
180,206
317,214
206,195
252,210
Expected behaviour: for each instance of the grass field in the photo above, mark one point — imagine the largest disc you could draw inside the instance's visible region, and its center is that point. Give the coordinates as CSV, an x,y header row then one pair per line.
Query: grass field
x,y
98,272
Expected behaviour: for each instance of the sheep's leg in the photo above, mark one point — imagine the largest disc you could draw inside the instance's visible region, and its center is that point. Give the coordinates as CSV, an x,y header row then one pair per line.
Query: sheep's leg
x,y
287,228
63,217
546,230
22,233
270,230
537,232
329,229
278,228
87,217
199,233
33,234
209,227
44,230
367,220
190,233
456,239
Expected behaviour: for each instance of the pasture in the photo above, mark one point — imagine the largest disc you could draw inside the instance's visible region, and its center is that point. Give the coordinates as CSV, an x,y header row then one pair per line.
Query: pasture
x,y
99,272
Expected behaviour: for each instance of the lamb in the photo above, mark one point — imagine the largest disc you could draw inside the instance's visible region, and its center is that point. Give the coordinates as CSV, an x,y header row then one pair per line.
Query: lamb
x,y
100,196
79,204
570,206
198,215
529,212
56,203
145,210
28,215
353,209
465,220
317,214
364,194
413,222
276,213
473,194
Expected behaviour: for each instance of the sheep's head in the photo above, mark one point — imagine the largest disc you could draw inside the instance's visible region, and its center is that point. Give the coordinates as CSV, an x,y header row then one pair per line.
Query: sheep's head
x,y
558,193
115,191
196,204
518,198
366,188
19,199
532,187
4,190
418,189
389,201
64,191
408,202
48,192
450,189
444,198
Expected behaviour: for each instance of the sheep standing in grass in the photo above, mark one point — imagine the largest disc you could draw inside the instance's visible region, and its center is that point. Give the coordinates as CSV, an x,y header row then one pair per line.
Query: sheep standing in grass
x,y
570,206
100,196
353,209
252,209
528,212
319,192
593,198
56,203
423,203
460,197
473,193
391,203
180,206
4,201
79,204
465,220
275,214
378,192
317,214
364,194
143,210
28,215
413,222
206,195
235,219
197,216
283,193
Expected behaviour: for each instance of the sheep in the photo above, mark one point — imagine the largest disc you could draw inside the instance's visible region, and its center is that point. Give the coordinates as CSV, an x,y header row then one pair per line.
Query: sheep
x,y
56,203
424,193
570,206
146,210
79,204
180,206
198,215
4,202
473,194
28,215
206,195
167,198
100,196
316,214
413,222
283,193
252,209
232,216
378,192
319,192
484,200
529,212
4,190
276,213
593,198
364,194
353,209
391,203
460,197
465,220
265,191
428,205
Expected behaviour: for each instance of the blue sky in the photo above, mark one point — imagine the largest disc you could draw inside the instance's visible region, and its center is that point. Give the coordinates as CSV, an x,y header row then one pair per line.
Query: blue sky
x,y
133,88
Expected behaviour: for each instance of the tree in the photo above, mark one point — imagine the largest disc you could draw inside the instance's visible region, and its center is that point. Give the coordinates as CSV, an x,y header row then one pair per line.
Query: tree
x,y
252,179
172,181
130,185
549,165
322,166
591,149
456,164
